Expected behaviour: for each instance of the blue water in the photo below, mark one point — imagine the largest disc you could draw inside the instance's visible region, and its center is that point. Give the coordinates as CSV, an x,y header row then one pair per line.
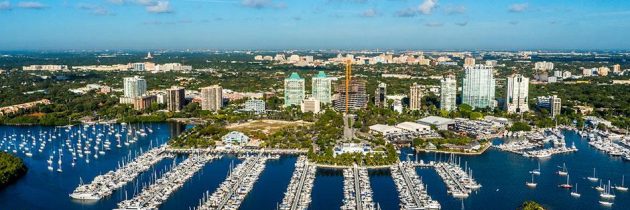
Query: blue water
x,y
503,176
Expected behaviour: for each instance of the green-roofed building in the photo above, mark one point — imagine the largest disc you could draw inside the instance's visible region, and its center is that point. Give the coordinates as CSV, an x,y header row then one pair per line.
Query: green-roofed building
x,y
293,90
321,88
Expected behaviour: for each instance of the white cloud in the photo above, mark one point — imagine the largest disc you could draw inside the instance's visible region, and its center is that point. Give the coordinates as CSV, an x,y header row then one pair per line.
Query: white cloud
x,y
94,9
427,6
369,13
159,7
5,5
455,9
31,5
518,7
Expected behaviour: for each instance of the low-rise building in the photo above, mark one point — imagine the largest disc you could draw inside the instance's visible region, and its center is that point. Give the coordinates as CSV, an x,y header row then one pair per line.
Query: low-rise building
x,y
440,123
236,138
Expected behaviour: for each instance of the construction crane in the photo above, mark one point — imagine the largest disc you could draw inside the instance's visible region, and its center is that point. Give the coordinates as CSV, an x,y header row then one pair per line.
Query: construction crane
x,y
348,78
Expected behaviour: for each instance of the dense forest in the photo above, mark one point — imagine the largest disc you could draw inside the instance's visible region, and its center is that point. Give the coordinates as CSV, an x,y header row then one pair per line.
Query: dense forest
x,y
11,168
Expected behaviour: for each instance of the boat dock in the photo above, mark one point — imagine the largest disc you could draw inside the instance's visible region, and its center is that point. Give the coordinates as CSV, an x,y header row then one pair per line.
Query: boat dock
x,y
411,191
357,190
298,194
155,194
104,185
237,185
458,181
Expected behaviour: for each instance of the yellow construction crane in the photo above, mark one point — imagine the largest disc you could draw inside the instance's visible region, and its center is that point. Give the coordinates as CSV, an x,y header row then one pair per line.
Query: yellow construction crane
x,y
348,78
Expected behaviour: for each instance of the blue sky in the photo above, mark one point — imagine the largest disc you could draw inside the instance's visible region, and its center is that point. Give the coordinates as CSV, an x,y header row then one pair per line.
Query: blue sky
x,y
314,24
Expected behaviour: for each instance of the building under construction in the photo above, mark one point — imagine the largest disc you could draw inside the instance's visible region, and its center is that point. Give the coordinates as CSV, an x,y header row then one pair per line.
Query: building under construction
x,y
357,95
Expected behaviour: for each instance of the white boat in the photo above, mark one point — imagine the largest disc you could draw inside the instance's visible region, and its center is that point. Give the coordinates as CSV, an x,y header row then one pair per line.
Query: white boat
x,y
563,172
531,184
599,188
606,194
622,187
567,185
606,203
536,171
593,178
575,193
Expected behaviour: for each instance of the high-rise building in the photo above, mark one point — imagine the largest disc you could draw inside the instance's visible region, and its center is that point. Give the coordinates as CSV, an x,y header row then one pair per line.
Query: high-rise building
x,y
357,96
134,87
144,102
517,98
543,66
321,88
603,71
448,93
468,61
212,98
491,63
311,105
415,97
175,99
478,88
552,103
616,68
556,105
379,95
293,90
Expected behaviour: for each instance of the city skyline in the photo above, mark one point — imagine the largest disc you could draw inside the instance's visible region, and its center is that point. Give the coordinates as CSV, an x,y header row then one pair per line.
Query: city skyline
x,y
325,24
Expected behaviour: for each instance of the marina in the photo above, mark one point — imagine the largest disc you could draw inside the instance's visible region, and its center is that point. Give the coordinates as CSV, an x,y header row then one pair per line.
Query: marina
x,y
104,185
494,163
459,181
153,195
411,190
298,194
357,190
237,185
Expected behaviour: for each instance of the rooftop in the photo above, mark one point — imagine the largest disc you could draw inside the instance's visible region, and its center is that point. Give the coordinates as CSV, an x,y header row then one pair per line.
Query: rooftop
x,y
435,120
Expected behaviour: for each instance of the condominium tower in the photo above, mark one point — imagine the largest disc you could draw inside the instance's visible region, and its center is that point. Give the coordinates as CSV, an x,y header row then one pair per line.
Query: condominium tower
x,y
448,93
517,99
212,98
134,87
176,99
321,88
415,97
379,95
478,89
293,90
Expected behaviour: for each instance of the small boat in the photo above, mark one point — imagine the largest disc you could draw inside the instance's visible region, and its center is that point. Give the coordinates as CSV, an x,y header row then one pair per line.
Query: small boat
x,y
593,178
606,203
622,187
536,171
566,185
563,172
599,188
575,193
531,184
606,194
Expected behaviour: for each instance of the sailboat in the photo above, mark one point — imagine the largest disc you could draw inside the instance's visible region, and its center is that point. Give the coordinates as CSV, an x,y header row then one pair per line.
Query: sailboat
x,y
531,184
622,187
575,193
536,171
593,178
567,185
563,172
599,188
59,162
606,203
606,194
